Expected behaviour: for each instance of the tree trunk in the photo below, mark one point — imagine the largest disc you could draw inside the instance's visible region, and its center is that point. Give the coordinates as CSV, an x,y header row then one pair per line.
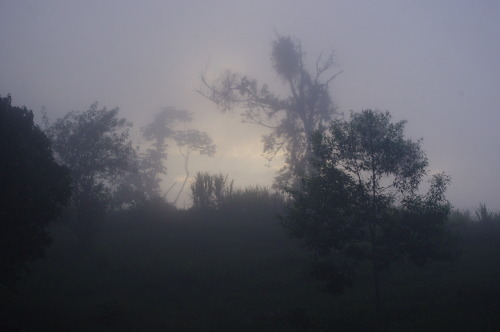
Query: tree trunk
x,y
376,285
186,161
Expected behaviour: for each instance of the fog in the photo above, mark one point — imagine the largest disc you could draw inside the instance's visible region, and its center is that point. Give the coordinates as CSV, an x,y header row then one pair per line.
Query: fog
x,y
434,64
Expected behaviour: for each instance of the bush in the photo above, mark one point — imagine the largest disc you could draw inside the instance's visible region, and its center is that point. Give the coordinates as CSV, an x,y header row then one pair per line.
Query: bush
x,y
256,199
209,191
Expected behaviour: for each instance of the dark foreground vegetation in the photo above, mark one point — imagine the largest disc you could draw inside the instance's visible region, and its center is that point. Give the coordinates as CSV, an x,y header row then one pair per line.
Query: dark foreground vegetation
x,y
123,259
160,269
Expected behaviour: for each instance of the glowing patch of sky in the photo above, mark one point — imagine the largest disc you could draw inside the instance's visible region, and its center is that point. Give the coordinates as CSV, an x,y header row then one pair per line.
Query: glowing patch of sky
x,y
434,63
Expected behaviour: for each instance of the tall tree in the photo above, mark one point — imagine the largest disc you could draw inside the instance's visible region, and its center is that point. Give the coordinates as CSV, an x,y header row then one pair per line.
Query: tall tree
x,y
164,129
33,190
158,132
293,119
190,141
95,146
361,202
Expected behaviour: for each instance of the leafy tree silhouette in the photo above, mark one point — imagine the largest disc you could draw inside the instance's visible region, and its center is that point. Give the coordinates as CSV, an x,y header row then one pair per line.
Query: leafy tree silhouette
x,y
361,202
164,129
190,141
95,146
33,190
158,132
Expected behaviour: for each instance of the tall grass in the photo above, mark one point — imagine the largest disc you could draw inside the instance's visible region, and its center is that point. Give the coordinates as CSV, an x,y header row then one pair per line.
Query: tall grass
x,y
486,216
255,198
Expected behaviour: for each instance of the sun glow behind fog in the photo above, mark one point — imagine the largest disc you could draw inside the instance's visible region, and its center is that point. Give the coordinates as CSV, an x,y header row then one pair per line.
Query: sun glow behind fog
x,y
143,56
238,155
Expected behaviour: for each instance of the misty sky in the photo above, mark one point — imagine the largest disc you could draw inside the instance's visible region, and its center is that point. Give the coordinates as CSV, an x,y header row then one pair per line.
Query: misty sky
x,y
433,63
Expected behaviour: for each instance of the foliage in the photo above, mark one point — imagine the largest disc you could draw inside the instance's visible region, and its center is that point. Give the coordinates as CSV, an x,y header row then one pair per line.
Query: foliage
x,y
293,119
478,224
486,216
33,190
188,271
136,189
190,141
209,191
254,199
361,203
158,132
95,146
483,227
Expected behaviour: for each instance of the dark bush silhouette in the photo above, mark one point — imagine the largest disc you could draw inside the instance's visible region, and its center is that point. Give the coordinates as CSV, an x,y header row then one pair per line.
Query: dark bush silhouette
x,y
33,189
209,191
254,200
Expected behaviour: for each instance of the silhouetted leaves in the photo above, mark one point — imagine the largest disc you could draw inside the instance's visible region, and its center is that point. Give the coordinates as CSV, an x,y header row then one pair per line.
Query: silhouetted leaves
x,y
361,202
95,146
209,191
33,189
158,132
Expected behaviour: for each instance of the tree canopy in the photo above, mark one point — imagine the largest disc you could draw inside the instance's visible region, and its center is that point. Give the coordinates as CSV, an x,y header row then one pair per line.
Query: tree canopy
x,y
292,119
164,129
190,141
361,202
33,189
158,132
95,146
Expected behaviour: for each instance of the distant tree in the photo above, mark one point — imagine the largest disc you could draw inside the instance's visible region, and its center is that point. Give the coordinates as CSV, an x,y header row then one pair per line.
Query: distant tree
x,y
190,141
162,130
209,191
361,203
136,188
158,132
95,146
33,190
292,119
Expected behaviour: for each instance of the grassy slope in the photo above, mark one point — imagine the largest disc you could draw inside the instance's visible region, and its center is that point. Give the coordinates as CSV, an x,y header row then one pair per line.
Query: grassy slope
x,y
180,271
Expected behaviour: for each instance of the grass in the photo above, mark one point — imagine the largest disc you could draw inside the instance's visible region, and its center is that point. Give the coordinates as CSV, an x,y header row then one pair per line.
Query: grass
x,y
189,271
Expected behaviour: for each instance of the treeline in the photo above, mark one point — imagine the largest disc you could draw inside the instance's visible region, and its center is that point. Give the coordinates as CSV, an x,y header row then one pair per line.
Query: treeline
x,y
229,243
78,169
349,191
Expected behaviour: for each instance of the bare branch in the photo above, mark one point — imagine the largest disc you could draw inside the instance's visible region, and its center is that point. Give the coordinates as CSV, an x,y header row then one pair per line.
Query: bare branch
x,y
307,108
332,78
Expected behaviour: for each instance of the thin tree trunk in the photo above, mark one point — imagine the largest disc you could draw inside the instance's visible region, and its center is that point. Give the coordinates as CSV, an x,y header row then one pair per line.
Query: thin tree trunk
x,y
379,316
375,267
377,289
171,187
186,161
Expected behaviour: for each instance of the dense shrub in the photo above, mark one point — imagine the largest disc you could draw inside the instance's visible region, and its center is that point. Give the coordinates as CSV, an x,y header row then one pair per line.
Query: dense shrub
x,y
255,198
209,191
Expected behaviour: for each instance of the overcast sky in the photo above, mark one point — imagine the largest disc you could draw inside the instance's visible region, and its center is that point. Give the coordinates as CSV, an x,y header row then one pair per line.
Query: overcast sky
x,y
433,63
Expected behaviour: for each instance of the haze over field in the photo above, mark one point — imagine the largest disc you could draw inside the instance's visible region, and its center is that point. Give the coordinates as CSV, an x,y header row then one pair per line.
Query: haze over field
x,y
433,63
